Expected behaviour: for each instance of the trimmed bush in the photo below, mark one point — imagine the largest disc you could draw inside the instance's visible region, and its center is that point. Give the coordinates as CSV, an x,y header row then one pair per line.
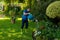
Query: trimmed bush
x,y
53,10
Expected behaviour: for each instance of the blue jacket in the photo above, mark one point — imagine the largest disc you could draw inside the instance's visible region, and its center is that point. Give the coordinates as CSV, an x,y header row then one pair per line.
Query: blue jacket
x,y
24,17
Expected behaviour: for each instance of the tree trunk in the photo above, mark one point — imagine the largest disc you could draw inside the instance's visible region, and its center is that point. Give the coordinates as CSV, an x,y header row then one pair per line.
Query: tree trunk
x,y
13,20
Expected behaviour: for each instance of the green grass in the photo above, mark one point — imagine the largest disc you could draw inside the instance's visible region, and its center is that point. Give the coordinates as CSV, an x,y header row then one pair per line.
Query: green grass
x,y
10,31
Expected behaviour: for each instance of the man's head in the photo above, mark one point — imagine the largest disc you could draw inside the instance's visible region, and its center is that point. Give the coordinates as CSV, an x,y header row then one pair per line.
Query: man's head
x,y
28,9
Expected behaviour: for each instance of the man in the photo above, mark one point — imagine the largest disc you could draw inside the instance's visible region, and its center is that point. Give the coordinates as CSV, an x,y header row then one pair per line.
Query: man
x,y
25,19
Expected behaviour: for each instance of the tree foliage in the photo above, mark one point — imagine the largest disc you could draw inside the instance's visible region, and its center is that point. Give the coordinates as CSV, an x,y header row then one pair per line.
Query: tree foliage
x,y
39,8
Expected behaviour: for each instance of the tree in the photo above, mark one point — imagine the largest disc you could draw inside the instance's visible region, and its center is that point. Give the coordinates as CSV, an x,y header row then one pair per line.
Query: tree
x,y
38,8
12,9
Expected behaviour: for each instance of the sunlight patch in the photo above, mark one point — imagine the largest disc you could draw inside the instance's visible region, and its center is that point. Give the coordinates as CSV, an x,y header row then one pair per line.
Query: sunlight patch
x,y
12,30
19,19
19,36
9,18
4,18
9,35
1,32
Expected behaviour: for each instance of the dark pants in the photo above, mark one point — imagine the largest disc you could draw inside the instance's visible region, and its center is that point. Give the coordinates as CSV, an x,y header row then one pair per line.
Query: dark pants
x,y
24,22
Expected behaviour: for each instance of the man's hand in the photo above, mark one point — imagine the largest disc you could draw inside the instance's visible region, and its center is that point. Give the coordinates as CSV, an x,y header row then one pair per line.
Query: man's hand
x,y
26,13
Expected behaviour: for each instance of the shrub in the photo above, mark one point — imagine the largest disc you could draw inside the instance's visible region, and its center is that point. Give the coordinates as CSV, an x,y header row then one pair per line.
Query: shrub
x,y
53,10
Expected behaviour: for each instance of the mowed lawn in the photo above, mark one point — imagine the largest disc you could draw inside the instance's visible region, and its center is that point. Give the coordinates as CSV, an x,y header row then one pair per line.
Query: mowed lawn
x,y
9,31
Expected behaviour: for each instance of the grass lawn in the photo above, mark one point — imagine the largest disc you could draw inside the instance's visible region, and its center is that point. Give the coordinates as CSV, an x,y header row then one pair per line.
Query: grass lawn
x,y
10,31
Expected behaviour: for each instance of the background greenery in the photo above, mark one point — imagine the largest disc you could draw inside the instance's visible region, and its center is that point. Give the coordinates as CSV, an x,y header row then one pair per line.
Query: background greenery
x,y
41,10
